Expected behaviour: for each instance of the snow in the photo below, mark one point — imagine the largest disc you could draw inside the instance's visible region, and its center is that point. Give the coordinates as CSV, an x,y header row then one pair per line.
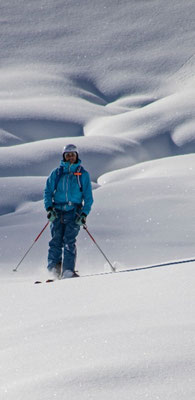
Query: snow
x,y
117,335
117,80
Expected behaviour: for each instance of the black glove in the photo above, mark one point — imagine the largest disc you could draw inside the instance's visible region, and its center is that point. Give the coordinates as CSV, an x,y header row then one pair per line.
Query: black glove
x,y
51,214
81,219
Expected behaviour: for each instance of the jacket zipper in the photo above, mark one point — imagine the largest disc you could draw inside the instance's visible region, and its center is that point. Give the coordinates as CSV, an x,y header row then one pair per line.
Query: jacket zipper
x,y
67,184
65,187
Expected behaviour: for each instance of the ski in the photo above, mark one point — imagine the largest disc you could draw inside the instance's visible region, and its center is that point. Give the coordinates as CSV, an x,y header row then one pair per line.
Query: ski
x,y
54,279
47,281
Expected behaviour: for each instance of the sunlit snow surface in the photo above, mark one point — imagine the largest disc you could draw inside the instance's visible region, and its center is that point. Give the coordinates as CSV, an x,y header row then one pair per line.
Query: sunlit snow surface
x,y
116,79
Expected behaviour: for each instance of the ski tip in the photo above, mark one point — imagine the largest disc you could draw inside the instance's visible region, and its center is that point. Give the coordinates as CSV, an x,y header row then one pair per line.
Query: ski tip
x,y
36,282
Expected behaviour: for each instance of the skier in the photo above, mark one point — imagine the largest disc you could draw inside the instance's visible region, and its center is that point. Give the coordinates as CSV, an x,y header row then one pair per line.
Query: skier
x,y
68,200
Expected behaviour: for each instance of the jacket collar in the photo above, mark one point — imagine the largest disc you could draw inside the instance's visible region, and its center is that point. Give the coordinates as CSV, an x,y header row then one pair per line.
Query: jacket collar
x,y
69,167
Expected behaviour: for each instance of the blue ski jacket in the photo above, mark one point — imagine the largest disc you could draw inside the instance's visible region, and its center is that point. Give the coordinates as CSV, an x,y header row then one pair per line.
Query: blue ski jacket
x,y
68,194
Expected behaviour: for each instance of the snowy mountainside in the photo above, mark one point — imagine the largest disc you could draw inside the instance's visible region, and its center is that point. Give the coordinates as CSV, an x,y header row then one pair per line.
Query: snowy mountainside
x,y
60,70
117,80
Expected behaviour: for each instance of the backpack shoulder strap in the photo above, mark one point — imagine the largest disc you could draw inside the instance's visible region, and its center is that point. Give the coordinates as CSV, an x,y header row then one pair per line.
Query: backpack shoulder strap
x,y
78,174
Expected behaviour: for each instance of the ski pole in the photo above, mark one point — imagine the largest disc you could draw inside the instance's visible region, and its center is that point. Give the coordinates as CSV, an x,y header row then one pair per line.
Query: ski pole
x,y
85,227
15,269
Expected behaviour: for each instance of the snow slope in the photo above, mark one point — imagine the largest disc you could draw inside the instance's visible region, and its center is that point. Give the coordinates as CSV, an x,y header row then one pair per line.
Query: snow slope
x,y
116,79
127,336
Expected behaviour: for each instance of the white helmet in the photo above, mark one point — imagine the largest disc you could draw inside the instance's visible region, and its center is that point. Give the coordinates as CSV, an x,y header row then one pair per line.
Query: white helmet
x,y
70,148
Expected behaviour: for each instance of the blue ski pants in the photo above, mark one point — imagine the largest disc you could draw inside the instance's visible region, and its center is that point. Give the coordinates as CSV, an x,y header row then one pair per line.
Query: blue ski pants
x,y
62,246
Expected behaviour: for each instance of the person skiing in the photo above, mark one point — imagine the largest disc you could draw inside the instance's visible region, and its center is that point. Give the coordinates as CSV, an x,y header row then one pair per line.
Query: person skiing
x,y
68,199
